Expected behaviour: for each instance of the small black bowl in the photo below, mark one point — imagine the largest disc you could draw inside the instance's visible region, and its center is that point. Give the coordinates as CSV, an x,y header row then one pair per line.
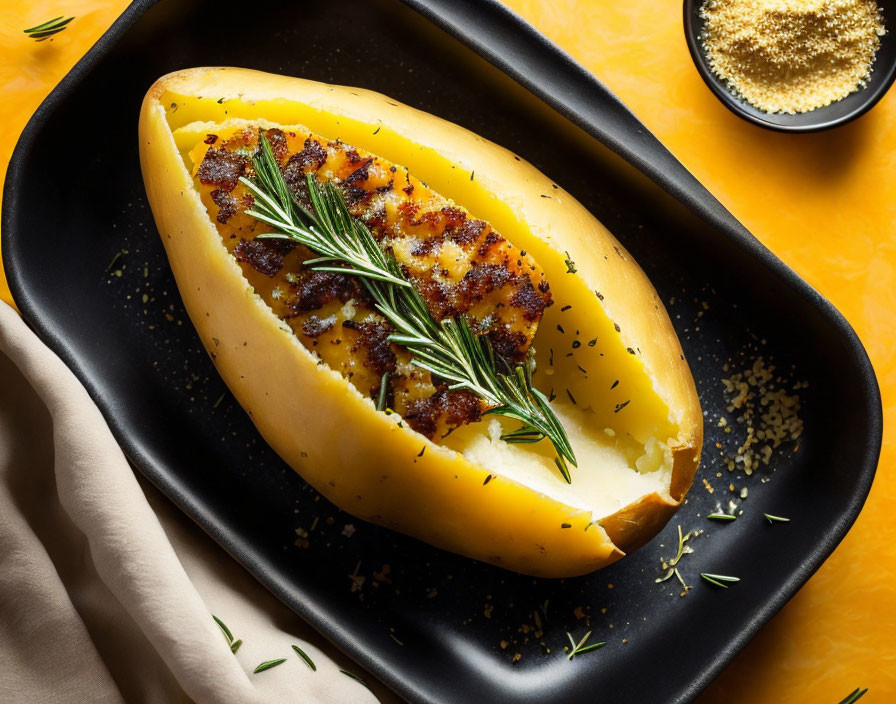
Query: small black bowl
x,y
837,113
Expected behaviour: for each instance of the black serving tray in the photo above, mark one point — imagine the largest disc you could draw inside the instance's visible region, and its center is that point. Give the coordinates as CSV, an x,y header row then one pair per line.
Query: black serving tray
x,y
81,252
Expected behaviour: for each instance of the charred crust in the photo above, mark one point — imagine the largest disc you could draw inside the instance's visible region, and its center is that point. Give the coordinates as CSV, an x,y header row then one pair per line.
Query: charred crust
x,y
355,196
227,205
311,158
374,338
478,282
467,232
277,140
221,168
508,343
359,174
437,296
265,256
491,239
312,290
453,408
530,301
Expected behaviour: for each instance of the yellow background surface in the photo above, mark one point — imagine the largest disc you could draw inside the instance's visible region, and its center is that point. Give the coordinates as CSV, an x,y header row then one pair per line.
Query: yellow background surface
x,y
824,203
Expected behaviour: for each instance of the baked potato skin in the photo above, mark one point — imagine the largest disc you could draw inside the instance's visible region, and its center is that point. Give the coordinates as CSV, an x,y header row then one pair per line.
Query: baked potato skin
x,y
369,463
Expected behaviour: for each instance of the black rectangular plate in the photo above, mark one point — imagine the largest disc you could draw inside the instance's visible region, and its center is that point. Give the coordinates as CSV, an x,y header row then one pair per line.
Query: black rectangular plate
x,y
81,252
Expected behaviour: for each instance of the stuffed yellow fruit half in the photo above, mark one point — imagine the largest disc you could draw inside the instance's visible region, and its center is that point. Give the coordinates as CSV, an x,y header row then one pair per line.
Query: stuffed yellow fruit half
x,y
484,240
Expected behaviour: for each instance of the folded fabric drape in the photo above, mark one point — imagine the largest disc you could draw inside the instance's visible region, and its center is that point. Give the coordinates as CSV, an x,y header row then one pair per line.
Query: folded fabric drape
x,y
106,589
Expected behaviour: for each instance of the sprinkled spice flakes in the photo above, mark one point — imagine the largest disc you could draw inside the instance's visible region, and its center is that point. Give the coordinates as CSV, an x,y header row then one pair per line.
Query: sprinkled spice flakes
x,y
768,413
792,56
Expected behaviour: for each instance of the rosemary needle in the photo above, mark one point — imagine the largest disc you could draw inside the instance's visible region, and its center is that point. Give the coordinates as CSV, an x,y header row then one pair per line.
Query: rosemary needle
x,y
353,676
224,629
268,664
720,580
854,696
721,517
308,661
775,519
384,390
48,29
448,348
235,646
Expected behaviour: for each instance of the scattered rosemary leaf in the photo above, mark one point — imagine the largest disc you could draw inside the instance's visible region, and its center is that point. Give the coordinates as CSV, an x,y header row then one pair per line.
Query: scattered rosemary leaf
x,y
570,264
720,580
580,647
666,576
384,389
775,519
235,646
268,664
721,517
114,259
353,676
224,629
220,398
308,661
48,29
854,696
395,638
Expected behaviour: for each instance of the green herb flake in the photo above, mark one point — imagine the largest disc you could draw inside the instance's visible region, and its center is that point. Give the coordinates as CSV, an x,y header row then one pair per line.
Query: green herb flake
x,y
719,580
308,661
383,393
854,696
775,519
721,517
48,29
353,676
224,629
268,664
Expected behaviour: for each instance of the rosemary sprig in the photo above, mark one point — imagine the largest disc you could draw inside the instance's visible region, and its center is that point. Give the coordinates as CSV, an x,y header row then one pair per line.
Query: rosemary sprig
x,y
580,647
48,29
720,580
268,664
854,696
775,519
722,517
448,349
308,661
671,567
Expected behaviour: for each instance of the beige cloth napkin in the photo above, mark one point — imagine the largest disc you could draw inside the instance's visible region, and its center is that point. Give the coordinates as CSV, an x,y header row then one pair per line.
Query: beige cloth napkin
x,y
106,589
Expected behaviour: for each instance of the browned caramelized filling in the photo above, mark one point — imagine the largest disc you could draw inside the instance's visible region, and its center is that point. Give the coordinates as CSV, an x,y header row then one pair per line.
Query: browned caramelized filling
x,y
459,264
